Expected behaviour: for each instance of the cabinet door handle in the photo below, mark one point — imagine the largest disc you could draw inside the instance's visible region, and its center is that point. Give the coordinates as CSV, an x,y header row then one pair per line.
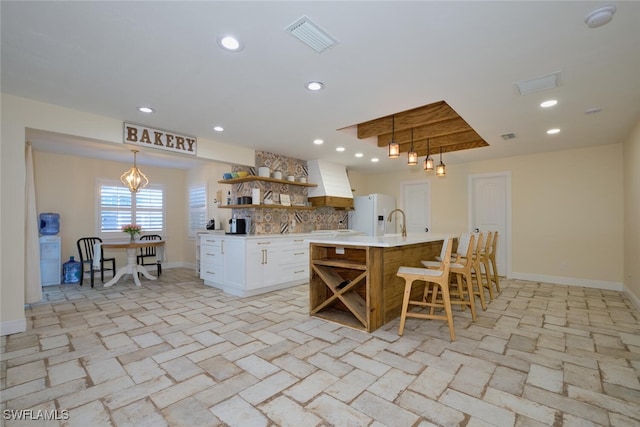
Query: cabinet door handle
x,y
208,254
299,271
263,257
266,261
210,241
298,240
298,253
211,272
222,247
264,243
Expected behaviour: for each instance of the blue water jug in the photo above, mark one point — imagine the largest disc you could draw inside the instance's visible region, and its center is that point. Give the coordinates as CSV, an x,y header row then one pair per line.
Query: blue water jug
x,y
71,271
49,223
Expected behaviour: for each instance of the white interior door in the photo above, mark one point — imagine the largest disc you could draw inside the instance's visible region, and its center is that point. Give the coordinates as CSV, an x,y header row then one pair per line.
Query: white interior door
x,y
416,203
490,209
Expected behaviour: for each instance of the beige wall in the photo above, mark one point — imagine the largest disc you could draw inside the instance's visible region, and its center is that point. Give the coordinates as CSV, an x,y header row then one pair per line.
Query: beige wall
x,y
632,213
19,114
567,207
68,185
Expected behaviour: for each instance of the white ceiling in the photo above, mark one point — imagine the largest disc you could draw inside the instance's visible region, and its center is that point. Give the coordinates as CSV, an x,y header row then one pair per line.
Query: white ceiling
x,y
108,58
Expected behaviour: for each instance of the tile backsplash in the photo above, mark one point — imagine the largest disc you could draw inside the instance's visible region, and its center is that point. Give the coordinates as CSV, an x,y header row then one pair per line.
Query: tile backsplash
x,y
283,221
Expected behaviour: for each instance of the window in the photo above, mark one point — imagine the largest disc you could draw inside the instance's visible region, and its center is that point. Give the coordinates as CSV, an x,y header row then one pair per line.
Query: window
x,y
119,206
197,208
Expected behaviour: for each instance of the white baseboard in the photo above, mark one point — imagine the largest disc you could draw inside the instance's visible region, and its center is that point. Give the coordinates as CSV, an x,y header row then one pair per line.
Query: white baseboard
x,y
13,326
569,281
634,299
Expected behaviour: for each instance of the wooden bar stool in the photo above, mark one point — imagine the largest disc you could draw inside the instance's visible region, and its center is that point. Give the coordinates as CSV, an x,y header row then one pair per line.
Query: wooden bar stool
x,y
434,278
492,258
460,267
478,272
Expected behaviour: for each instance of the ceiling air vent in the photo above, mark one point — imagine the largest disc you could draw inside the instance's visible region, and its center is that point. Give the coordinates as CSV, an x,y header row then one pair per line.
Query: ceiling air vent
x,y
508,136
311,35
550,81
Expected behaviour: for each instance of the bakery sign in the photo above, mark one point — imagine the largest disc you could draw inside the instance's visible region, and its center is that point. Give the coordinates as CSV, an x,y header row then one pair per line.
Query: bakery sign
x,y
161,139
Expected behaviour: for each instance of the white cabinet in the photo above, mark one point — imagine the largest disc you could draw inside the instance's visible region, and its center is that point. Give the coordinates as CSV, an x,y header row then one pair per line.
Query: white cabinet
x,y
50,267
211,258
262,262
252,265
233,265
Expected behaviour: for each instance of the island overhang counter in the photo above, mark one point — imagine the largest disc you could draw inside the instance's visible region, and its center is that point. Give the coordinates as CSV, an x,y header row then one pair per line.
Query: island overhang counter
x,y
352,279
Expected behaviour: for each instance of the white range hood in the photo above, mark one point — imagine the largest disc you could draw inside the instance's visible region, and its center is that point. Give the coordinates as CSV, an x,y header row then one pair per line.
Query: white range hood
x,y
333,188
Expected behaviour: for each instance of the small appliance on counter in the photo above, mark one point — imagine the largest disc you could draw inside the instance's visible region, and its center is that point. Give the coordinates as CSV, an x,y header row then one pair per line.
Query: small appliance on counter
x,y
211,225
237,226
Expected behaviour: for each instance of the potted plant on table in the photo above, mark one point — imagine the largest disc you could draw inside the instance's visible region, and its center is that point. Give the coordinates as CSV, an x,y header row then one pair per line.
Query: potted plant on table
x,y
133,230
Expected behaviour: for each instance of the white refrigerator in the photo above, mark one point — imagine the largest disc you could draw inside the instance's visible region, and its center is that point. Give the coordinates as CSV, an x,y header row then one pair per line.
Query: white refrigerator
x,y
370,214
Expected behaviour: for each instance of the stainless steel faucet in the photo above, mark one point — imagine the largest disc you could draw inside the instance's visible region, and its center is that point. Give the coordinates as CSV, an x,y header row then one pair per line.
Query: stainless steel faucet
x,y
404,220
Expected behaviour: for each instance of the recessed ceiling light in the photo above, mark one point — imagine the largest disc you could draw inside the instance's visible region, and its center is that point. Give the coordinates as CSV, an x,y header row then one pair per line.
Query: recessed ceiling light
x,y
549,103
599,17
145,109
358,155
230,43
315,86
218,128
318,141
375,160
553,131
340,149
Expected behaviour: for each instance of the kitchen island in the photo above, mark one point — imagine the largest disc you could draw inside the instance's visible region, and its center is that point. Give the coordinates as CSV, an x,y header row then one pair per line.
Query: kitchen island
x,y
353,278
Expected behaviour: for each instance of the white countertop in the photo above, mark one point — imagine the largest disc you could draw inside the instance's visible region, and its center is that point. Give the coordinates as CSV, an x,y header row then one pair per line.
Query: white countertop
x,y
315,233
382,241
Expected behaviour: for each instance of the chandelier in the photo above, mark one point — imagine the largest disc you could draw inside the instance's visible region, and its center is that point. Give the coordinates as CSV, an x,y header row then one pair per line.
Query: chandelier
x,y
134,179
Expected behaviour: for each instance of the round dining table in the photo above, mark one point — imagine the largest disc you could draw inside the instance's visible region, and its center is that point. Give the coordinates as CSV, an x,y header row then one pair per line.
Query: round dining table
x,y
132,266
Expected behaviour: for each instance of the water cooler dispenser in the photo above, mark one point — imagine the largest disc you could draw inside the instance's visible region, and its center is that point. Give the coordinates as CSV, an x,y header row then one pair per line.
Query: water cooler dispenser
x,y
50,265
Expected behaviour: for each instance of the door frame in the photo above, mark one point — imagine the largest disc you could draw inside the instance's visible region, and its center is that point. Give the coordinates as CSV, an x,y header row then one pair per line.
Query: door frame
x,y
506,240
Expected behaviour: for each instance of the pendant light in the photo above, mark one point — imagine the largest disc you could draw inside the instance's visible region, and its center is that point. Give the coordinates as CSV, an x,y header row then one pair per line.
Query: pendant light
x,y
394,147
428,161
412,156
441,169
134,179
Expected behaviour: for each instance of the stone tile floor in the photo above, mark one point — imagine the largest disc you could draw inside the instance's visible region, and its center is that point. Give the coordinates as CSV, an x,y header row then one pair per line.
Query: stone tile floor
x,y
175,352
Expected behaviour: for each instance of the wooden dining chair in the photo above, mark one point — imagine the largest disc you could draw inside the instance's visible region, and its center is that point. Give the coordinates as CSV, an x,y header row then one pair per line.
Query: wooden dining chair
x,y
479,274
149,252
491,255
434,279
85,251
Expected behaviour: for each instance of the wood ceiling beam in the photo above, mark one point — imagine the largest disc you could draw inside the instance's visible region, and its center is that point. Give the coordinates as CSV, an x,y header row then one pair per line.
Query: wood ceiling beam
x,y
427,115
450,127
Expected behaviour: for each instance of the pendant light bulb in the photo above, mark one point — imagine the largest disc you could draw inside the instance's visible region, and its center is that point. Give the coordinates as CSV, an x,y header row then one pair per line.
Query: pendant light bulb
x,y
441,169
412,156
428,161
394,147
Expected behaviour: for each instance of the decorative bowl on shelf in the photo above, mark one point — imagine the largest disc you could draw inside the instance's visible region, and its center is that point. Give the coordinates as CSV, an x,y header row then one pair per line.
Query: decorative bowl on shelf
x,y
242,174
227,176
234,174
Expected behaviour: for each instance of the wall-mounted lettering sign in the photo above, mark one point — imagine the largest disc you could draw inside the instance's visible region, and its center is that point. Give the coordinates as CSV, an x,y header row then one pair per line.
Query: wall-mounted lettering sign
x,y
161,139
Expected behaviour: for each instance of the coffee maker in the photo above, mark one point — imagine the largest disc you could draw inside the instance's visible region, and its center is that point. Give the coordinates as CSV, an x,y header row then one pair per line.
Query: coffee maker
x,y
237,226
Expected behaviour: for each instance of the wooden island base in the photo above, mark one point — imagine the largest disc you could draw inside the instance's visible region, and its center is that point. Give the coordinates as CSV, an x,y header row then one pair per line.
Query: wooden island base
x,y
357,286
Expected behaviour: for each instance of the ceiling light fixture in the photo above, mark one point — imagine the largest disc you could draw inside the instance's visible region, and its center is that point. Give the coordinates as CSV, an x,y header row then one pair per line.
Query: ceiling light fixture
x,y
318,141
599,17
358,155
375,160
315,86
428,161
394,147
549,103
553,131
340,149
412,156
145,110
230,43
134,179
441,170
218,128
